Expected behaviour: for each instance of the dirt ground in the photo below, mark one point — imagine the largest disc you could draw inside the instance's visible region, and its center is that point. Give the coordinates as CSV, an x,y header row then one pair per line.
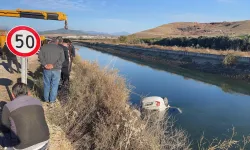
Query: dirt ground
x,y
58,138
7,79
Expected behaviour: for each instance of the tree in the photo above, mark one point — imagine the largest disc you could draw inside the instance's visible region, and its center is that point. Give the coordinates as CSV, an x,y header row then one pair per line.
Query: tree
x,y
123,39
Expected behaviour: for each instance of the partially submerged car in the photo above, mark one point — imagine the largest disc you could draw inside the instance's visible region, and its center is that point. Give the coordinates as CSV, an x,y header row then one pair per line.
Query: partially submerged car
x,y
155,103
158,107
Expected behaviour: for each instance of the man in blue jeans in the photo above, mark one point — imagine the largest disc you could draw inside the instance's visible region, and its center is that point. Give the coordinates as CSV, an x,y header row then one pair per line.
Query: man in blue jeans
x,y
51,57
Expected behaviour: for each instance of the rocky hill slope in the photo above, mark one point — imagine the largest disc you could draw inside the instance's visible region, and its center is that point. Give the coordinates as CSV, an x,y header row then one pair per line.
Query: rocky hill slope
x,y
194,29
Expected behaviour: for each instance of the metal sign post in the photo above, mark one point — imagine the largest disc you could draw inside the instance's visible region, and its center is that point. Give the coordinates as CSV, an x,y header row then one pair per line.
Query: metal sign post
x,y
24,67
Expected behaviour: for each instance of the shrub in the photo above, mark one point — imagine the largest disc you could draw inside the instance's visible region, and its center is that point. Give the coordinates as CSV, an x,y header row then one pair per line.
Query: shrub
x,y
230,59
123,39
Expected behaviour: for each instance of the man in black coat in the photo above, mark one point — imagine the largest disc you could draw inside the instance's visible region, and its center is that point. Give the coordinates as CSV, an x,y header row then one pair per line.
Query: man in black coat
x,y
11,58
72,52
1,53
66,63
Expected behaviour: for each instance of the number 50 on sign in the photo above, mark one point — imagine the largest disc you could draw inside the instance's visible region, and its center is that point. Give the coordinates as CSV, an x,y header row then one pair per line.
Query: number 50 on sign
x,y
23,41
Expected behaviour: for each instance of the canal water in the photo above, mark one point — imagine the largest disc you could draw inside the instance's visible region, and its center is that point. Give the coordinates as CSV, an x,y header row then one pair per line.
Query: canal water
x,y
209,103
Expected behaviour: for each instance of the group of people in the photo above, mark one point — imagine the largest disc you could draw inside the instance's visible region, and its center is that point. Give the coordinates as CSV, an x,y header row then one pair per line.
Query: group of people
x,y
56,58
23,118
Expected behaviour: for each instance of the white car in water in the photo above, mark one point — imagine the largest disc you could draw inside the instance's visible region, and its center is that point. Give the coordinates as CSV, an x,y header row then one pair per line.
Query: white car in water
x,y
155,103
158,106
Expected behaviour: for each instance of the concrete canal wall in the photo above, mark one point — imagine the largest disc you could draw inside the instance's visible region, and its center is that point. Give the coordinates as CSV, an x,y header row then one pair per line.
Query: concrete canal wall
x,y
209,63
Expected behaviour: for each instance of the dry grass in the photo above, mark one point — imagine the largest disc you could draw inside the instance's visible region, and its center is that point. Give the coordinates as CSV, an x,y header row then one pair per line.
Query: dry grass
x,y
96,115
195,50
58,139
226,144
170,137
176,48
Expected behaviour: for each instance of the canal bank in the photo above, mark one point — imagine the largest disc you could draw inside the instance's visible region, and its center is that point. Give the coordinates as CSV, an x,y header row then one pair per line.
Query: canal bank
x,y
208,63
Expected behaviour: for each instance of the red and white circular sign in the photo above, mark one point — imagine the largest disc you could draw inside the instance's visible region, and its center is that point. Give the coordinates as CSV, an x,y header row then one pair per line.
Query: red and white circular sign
x,y
23,41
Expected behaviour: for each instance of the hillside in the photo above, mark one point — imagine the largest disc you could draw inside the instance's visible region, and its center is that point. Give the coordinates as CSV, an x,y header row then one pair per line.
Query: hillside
x,y
194,29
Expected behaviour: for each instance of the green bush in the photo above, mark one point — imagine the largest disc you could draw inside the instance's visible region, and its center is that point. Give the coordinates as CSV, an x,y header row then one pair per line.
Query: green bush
x,y
218,43
123,39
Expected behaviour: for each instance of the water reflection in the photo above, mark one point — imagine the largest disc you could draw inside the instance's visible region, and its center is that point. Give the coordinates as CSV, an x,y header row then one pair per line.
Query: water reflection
x,y
226,84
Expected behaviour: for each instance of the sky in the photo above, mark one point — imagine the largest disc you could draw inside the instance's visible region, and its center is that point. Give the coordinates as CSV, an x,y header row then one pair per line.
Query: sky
x,y
132,16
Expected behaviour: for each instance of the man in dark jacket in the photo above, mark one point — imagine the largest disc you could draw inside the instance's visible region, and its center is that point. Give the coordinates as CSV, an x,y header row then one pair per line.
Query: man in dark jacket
x,y
1,52
51,57
72,52
11,58
23,118
65,66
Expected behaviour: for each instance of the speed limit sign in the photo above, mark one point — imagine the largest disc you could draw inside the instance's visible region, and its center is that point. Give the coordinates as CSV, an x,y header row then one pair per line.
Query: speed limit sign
x,y
23,41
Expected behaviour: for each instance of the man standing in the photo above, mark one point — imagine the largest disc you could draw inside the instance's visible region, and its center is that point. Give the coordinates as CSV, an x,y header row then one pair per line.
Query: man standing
x,y
51,57
72,53
23,118
65,66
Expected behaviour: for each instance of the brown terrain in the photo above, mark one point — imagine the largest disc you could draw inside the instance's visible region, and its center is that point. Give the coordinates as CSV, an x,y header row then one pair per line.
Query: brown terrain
x,y
194,29
58,138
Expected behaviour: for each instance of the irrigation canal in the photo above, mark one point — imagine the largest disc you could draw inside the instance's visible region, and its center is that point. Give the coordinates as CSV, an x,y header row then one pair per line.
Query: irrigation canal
x,y
210,104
